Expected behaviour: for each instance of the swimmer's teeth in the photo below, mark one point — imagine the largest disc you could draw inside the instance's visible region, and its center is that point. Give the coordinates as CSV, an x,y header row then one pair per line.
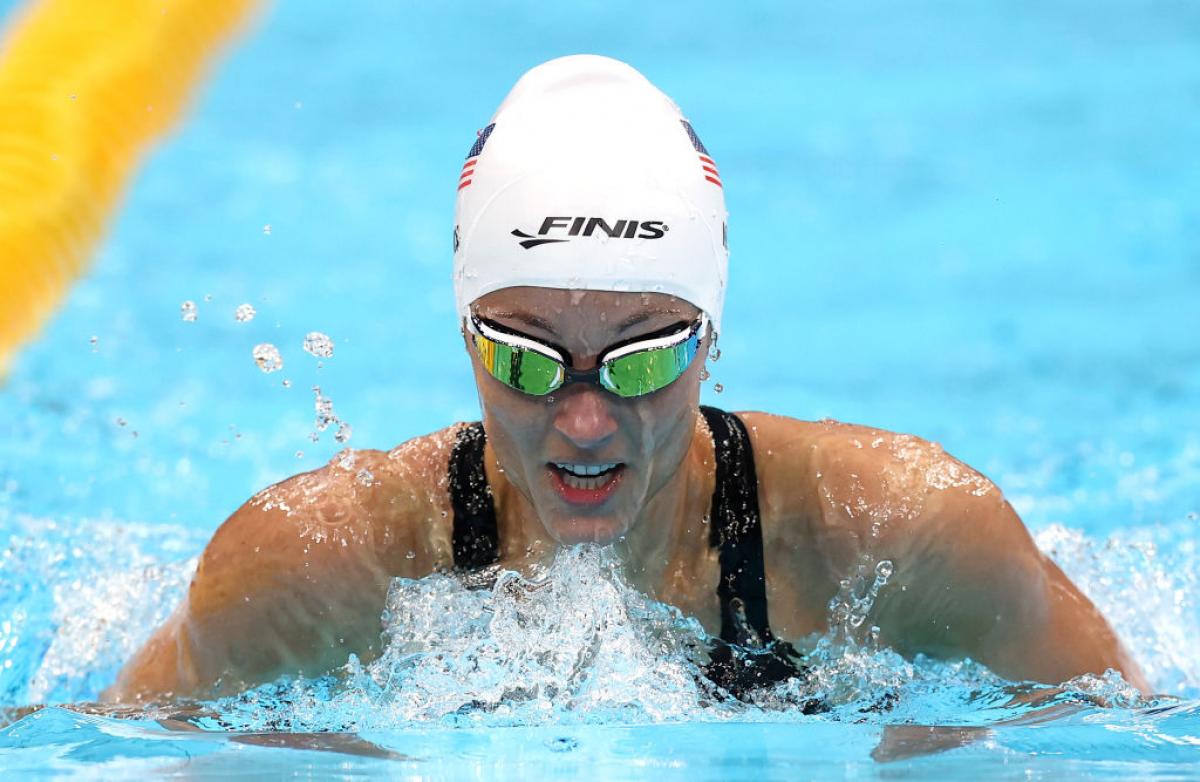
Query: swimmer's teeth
x,y
585,476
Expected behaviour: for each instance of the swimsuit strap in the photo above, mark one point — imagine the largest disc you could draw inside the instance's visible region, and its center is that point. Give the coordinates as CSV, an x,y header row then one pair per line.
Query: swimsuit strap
x,y
476,539
747,656
736,532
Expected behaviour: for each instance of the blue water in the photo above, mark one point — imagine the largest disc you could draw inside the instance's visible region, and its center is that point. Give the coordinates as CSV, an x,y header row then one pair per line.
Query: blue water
x,y
979,223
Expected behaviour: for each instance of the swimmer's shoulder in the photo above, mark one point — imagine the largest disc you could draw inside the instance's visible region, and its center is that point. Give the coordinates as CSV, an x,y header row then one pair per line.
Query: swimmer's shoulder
x,y
852,476
396,501
405,490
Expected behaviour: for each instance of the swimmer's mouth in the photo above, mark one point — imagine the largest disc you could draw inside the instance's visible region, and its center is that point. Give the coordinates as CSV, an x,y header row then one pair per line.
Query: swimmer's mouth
x,y
586,477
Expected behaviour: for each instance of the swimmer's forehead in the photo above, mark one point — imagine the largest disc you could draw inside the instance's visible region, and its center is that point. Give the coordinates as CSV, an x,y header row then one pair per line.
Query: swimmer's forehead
x,y
556,309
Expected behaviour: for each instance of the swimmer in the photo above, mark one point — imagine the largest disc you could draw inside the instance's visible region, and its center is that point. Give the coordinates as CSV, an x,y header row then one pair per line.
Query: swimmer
x,y
590,263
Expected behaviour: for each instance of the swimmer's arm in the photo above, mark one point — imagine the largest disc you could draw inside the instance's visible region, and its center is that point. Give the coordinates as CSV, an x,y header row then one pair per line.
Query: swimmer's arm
x,y
293,582
969,580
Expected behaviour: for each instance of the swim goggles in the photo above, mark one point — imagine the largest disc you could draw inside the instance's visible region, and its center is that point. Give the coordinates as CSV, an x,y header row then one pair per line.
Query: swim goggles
x,y
633,368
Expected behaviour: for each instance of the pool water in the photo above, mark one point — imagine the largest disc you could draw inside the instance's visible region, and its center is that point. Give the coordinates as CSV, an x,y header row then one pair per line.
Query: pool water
x,y
976,223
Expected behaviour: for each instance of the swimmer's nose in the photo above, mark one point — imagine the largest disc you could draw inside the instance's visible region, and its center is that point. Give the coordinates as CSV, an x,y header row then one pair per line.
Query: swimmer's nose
x,y
583,418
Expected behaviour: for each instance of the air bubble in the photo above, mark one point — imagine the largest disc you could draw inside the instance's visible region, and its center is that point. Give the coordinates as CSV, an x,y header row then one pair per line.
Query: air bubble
x,y
267,357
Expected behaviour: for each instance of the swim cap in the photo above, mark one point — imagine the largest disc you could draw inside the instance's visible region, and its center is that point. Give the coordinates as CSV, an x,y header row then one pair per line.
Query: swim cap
x,y
588,177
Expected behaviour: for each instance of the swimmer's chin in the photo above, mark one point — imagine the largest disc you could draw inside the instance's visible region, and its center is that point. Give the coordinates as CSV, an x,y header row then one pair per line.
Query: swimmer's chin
x,y
582,529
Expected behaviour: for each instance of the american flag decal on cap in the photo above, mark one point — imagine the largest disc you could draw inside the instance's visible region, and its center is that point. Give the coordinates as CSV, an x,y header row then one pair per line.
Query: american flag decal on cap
x,y
468,168
707,165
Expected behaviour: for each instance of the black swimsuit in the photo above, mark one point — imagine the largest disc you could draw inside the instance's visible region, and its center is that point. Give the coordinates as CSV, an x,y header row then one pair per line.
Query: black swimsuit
x,y
747,656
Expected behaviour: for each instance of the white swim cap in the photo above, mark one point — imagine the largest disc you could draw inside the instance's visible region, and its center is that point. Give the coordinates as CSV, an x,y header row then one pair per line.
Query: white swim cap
x,y
588,177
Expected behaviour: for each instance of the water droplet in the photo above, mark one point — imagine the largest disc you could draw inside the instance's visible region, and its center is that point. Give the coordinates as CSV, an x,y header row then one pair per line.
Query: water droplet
x,y
287,383
884,569
121,422
299,454
94,341
267,357
365,477
318,344
323,406
714,354
208,297
188,310
411,555
343,432
718,388
704,375
267,229
244,313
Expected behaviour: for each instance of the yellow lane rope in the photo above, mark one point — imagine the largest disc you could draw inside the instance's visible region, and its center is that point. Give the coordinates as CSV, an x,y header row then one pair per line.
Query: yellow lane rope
x,y
85,87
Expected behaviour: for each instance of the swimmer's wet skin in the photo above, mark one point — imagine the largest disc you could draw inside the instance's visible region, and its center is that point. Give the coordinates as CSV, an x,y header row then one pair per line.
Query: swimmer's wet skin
x,y
579,283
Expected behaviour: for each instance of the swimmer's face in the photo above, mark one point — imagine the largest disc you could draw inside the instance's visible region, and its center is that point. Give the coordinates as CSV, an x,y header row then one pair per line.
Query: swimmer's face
x,y
541,441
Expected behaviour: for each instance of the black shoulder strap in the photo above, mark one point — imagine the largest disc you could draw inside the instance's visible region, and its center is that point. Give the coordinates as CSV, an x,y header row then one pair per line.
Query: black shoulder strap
x,y
736,532
476,540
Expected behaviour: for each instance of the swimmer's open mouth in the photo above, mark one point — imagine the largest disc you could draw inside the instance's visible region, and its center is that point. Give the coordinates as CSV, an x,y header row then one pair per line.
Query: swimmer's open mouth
x,y
586,477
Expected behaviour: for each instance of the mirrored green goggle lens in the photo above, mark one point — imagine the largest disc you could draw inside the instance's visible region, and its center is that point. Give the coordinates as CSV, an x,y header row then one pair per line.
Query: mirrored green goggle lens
x,y
524,370
633,374
647,371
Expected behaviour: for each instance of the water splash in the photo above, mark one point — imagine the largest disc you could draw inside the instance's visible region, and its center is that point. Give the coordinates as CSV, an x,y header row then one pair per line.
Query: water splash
x,y
71,613
1147,582
573,643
